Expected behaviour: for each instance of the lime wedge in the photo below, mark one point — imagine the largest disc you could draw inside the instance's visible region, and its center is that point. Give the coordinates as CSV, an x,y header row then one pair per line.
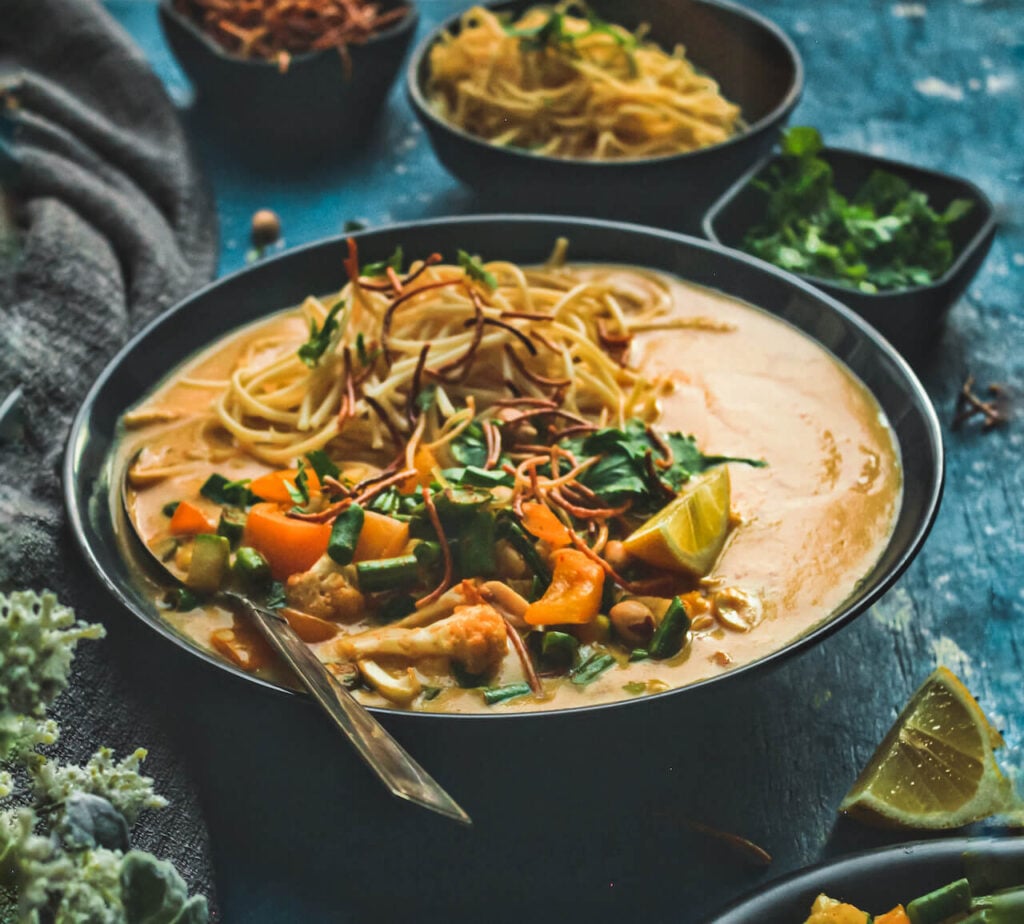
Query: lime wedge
x,y
935,768
689,533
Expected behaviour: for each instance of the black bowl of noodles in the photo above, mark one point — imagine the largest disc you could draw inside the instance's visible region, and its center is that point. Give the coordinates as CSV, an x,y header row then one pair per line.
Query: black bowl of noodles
x,y
541,787
880,879
614,156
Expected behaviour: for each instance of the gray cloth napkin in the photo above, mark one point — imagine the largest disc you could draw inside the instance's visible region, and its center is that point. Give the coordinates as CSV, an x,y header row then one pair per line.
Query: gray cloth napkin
x,y
104,223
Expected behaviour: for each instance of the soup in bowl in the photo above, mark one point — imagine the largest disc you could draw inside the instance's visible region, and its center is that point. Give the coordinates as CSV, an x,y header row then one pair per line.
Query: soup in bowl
x,y
512,482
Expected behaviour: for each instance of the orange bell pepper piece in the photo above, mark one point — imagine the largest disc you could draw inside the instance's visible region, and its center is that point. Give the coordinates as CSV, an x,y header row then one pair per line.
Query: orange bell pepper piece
x,y
539,521
288,545
574,594
897,916
271,487
424,461
189,520
380,537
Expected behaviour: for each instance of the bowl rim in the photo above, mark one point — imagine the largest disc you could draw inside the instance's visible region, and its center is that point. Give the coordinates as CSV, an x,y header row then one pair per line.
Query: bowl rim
x,y
77,516
981,199
405,24
934,850
426,113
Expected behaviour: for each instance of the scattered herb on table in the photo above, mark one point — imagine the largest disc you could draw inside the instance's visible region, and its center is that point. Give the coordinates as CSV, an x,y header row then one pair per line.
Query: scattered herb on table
x,y
65,855
886,236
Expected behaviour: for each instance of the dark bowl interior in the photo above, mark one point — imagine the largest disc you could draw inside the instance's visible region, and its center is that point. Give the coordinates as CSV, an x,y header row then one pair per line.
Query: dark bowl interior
x,y
287,279
754,63
318,100
879,879
910,318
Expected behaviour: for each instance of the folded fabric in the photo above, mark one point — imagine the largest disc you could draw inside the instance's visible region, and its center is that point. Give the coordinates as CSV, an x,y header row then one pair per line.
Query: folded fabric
x,y
104,223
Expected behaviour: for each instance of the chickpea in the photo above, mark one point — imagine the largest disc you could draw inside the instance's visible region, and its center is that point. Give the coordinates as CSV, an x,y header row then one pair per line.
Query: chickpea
x,y
633,622
266,228
615,554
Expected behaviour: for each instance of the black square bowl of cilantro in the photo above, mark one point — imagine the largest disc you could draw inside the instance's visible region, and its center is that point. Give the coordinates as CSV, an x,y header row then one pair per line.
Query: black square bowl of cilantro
x,y
896,243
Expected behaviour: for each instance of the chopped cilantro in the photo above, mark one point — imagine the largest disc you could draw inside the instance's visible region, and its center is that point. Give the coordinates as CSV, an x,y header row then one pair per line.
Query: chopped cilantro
x,y
475,269
298,490
321,463
227,493
886,236
425,399
320,337
379,268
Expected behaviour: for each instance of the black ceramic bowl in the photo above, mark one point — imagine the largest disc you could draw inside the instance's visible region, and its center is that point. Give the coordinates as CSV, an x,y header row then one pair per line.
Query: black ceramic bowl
x,y
318,100
754,63
573,810
287,279
878,880
910,318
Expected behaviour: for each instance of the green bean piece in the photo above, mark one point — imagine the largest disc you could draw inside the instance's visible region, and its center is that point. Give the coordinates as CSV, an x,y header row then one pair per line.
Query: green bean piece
x,y
388,573
639,654
670,635
494,695
937,906
591,669
988,871
1001,908
345,534
476,545
251,568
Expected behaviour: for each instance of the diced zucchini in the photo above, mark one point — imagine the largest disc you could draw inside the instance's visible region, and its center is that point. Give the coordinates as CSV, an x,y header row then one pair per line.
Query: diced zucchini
x,y
210,555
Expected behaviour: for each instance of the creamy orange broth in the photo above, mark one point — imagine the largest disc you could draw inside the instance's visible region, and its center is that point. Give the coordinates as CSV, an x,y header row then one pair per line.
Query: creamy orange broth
x,y
812,522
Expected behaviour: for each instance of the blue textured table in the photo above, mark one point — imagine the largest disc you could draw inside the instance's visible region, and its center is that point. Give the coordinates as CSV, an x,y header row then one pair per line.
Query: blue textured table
x,y
939,84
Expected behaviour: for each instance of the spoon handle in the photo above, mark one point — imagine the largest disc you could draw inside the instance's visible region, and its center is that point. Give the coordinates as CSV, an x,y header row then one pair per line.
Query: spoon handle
x,y
385,756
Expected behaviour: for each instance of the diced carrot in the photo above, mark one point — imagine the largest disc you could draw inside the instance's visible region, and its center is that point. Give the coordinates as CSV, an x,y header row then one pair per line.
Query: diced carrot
x,y
424,461
574,594
897,916
243,646
540,521
189,520
271,487
380,537
289,545
309,628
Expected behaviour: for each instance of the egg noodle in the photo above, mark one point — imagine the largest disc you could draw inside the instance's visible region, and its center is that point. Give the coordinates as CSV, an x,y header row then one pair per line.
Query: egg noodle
x,y
573,86
452,339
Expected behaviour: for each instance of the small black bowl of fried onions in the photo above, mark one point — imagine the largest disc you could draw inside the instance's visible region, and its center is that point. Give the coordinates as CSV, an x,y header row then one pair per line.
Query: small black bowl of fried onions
x,y
896,243
642,110
276,78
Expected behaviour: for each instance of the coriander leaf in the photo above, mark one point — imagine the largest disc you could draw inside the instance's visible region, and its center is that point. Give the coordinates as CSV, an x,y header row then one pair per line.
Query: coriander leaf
x,y
321,463
226,493
470,446
956,210
379,268
298,490
320,337
425,399
475,269
801,141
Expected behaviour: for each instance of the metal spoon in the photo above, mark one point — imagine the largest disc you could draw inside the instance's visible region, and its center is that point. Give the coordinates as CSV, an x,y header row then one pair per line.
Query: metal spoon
x,y
396,769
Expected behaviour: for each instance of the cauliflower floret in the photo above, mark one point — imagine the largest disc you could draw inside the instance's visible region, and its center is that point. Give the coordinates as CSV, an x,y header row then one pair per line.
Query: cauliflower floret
x,y
323,591
474,636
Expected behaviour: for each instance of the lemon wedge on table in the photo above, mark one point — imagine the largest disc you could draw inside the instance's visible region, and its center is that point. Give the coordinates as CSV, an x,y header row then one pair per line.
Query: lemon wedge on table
x,y
936,767
688,534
